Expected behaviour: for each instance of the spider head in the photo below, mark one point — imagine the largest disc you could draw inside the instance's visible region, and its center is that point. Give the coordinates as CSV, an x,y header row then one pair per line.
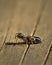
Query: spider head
x,y
20,35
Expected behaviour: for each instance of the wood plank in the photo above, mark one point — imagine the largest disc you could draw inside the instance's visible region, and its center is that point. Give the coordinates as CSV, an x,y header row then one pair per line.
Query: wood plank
x,y
6,10
23,21
37,52
49,61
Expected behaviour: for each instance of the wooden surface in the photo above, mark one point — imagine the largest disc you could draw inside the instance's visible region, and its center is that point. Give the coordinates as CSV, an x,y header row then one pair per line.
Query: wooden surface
x,y
29,17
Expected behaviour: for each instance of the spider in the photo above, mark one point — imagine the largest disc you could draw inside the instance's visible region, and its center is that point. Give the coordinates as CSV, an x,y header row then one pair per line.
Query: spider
x,y
28,39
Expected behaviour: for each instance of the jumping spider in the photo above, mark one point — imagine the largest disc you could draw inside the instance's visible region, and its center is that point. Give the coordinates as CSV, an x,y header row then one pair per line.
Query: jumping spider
x,y
28,39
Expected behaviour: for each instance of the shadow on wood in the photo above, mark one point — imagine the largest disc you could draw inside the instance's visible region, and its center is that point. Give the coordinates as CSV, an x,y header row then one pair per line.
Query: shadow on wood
x,y
19,43
13,43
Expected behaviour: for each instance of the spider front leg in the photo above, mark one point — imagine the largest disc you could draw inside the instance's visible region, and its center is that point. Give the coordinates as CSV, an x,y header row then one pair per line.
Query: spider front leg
x,y
20,36
16,38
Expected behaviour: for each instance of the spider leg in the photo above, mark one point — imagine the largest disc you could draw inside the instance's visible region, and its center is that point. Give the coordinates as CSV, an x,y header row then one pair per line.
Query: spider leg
x,y
20,36
16,38
26,41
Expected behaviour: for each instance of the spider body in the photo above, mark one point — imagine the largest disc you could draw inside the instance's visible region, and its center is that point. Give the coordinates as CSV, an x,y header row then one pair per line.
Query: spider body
x,y
20,36
28,39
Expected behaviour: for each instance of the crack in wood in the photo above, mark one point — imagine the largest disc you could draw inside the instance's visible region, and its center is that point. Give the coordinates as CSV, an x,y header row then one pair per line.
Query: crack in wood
x,y
47,54
9,25
42,7
5,36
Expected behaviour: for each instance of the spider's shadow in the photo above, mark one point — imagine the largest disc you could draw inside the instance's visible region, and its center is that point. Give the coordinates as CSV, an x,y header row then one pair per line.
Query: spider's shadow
x,y
13,43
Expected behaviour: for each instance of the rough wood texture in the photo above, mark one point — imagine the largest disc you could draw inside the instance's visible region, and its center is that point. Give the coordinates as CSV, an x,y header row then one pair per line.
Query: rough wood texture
x,y
21,16
22,20
37,53
6,13
49,61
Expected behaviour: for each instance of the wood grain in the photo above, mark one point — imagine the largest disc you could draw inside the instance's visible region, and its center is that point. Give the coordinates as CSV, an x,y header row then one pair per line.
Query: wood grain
x,y
23,20
49,61
6,11
37,52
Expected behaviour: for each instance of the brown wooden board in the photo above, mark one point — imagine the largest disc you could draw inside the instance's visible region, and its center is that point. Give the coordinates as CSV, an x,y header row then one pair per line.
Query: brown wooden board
x,y
37,52
49,61
6,10
23,21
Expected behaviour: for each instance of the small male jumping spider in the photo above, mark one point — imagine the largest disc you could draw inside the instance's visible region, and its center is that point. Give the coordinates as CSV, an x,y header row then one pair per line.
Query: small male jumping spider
x,y
28,39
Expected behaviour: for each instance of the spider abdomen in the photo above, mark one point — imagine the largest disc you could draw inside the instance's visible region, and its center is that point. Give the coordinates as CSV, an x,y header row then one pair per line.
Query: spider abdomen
x,y
36,39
